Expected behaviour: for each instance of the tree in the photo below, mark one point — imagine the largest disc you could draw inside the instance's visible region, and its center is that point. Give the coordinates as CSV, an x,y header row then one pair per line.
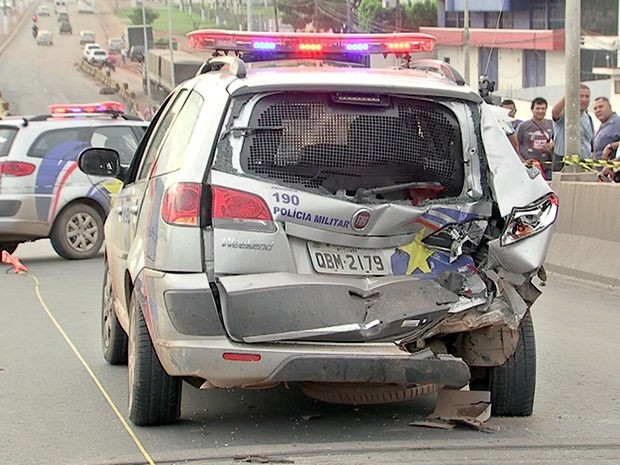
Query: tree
x,y
421,13
368,13
324,15
149,15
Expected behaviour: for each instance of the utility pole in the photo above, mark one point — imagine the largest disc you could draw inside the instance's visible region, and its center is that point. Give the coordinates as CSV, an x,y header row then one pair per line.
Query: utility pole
x,y
398,16
275,14
466,42
172,75
315,19
146,57
5,19
249,14
572,116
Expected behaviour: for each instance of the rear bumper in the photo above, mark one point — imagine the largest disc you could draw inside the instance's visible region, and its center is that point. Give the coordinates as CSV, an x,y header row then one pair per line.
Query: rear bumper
x,y
225,363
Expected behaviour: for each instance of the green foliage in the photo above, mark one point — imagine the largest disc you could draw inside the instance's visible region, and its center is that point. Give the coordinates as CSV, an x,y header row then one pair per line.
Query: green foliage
x,y
368,13
149,17
421,13
325,15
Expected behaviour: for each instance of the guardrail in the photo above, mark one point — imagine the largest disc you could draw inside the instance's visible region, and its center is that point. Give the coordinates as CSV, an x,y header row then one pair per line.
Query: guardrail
x,y
105,77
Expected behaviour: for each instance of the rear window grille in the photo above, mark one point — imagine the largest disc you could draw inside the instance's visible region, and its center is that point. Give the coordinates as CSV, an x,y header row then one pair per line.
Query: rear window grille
x,y
307,141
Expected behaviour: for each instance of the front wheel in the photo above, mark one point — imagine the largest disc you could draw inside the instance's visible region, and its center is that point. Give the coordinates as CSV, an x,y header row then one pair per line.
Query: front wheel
x,y
77,232
154,395
113,336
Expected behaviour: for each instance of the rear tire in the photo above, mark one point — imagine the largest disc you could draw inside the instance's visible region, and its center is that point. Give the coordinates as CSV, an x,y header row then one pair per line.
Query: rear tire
x,y
512,384
113,336
10,247
364,394
77,232
154,395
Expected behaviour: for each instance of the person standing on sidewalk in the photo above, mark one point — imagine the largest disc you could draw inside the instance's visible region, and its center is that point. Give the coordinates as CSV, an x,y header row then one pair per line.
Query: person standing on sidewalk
x,y
608,132
587,127
535,137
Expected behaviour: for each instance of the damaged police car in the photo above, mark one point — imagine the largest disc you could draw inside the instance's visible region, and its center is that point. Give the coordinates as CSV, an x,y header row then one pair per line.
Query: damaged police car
x,y
368,233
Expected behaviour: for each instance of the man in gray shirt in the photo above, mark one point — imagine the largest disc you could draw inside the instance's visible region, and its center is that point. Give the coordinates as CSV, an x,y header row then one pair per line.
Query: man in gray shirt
x,y
587,128
609,130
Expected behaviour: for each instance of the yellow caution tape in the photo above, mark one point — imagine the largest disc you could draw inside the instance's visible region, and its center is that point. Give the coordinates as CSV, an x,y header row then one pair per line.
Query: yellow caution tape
x,y
589,163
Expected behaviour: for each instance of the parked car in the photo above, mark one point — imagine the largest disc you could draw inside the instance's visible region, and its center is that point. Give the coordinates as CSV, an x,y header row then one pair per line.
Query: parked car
x,y
62,16
136,53
87,37
41,194
64,27
368,233
45,37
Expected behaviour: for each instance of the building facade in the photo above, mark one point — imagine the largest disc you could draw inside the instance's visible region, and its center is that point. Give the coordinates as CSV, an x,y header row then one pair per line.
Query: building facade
x,y
519,44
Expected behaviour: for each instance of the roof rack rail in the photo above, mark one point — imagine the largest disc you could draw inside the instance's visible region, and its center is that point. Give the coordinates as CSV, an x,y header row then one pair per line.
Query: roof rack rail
x,y
438,66
236,66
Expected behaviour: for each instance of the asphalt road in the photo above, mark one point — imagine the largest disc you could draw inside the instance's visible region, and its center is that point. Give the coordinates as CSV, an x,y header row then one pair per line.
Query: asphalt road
x,y
61,403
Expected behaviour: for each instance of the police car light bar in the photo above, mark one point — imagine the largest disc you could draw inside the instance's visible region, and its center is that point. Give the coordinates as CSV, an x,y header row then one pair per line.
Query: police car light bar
x,y
86,108
314,45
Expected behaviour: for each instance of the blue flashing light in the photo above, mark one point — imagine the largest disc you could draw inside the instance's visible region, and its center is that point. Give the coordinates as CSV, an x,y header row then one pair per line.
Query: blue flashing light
x,y
264,45
357,47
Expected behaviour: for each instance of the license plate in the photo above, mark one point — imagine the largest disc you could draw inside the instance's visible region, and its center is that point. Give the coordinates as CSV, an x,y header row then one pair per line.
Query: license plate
x,y
347,260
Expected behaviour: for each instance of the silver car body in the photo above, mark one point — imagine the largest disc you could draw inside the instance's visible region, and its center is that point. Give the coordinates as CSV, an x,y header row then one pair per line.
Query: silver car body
x,y
278,288
47,179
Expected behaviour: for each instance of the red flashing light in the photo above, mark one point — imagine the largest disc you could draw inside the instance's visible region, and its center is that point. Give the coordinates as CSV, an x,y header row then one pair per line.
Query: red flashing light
x,y
240,357
181,204
16,168
291,42
234,204
86,108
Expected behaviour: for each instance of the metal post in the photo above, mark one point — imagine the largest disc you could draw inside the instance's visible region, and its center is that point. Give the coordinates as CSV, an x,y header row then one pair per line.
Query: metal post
x,y
146,57
466,42
572,116
5,19
172,76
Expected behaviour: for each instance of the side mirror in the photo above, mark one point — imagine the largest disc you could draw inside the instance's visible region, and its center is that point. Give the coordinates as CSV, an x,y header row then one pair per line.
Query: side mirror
x,y
100,162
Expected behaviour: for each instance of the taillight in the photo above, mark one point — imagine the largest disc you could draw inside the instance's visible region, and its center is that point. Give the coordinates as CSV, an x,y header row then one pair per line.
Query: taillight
x,y
181,204
16,168
234,204
530,220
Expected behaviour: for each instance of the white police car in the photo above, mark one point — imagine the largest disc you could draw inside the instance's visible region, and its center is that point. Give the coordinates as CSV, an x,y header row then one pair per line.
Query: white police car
x,y
42,193
369,233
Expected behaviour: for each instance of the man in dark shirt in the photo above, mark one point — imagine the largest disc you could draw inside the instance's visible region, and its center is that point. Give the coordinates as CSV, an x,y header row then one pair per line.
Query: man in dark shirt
x,y
535,137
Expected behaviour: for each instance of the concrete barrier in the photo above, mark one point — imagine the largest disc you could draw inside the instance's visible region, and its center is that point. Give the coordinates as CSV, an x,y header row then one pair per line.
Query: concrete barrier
x,y
586,243
105,77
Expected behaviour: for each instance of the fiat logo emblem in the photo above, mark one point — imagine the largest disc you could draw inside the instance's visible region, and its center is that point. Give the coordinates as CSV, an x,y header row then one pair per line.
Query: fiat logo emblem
x,y
360,220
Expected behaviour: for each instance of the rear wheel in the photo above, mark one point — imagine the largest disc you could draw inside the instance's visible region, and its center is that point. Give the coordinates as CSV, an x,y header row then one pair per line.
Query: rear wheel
x,y
154,395
77,232
9,246
364,394
512,384
113,336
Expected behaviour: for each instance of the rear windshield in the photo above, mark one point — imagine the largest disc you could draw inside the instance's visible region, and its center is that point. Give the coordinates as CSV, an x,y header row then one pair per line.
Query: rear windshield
x,y
7,135
339,143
